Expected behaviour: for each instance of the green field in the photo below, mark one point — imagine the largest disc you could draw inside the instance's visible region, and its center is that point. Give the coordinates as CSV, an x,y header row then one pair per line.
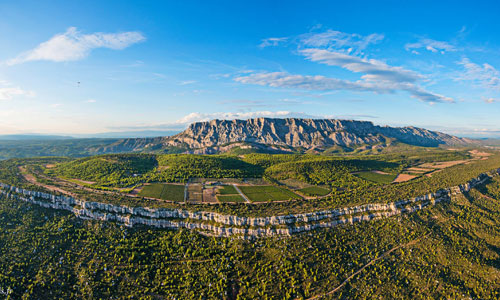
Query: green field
x,y
230,198
164,191
227,190
376,177
267,193
314,191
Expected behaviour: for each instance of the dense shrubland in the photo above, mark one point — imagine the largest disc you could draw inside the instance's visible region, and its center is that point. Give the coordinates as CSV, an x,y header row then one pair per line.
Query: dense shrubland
x,y
347,189
448,251
454,254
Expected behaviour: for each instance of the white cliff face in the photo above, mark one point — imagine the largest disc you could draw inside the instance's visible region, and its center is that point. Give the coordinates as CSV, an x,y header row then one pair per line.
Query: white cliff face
x,y
217,135
228,225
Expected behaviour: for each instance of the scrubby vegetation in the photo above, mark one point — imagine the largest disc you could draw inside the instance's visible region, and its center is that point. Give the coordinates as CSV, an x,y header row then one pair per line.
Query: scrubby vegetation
x,y
450,251
106,168
338,176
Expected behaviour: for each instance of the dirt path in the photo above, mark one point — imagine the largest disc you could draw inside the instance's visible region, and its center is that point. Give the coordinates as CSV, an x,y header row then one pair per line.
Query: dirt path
x,y
412,242
241,193
31,179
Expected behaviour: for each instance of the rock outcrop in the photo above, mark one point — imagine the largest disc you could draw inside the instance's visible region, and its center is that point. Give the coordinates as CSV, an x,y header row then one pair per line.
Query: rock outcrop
x,y
216,224
287,134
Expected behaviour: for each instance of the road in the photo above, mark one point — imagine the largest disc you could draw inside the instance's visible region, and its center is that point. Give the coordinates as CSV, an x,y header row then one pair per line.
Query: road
x,y
412,242
241,194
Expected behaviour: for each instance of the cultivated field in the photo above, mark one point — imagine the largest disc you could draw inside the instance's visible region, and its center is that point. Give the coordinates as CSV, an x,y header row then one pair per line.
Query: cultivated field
x,y
377,176
267,193
314,191
230,198
164,191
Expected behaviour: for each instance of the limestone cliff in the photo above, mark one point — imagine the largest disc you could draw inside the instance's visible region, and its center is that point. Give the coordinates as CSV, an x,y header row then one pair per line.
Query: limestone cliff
x,y
287,134
228,225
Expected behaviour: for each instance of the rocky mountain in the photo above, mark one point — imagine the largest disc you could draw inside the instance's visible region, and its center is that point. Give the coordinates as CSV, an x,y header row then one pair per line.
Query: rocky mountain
x,y
282,135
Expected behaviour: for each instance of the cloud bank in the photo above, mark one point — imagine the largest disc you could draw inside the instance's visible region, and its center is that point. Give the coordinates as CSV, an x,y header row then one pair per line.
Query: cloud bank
x,y
375,70
345,50
322,83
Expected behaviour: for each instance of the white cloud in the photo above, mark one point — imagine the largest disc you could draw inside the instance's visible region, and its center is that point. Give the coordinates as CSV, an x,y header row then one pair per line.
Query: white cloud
x,y
272,42
7,93
183,122
322,83
73,45
90,101
315,83
200,117
340,49
484,75
348,42
375,70
431,45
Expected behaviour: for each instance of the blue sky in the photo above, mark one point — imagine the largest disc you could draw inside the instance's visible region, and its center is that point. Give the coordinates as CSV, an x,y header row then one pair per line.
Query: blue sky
x,y
70,67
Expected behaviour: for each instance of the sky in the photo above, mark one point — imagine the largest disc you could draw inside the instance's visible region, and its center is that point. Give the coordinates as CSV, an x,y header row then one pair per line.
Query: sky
x,y
88,67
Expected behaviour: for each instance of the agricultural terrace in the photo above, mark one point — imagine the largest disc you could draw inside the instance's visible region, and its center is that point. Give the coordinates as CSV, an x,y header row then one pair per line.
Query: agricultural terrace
x,y
286,182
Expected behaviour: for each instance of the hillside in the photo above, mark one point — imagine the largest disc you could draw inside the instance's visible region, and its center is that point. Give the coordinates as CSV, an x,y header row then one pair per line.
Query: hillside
x,y
286,135
449,251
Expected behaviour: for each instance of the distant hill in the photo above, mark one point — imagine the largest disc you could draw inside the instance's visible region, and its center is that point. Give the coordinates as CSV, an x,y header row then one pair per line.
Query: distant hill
x,y
37,137
285,135
494,142
129,134
51,147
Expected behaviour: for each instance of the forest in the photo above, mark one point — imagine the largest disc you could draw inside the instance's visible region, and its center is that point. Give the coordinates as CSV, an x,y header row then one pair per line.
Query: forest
x,y
450,251
46,253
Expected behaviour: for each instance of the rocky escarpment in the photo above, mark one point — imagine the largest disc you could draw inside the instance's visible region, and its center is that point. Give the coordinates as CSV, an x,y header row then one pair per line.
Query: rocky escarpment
x,y
230,225
287,133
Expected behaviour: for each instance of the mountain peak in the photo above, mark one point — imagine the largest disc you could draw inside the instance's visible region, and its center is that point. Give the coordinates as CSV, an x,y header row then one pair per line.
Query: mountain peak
x,y
288,134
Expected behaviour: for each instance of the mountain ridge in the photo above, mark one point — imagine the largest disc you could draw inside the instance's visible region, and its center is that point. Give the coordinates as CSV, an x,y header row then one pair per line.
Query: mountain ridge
x,y
287,134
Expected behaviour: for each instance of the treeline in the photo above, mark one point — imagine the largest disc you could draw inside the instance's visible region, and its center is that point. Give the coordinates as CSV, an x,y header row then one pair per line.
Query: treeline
x,y
106,168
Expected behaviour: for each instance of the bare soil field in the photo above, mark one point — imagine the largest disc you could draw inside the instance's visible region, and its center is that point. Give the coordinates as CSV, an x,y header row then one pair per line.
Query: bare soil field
x,y
137,190
195,192
479,153
209,195
442,164
419,170
403,178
